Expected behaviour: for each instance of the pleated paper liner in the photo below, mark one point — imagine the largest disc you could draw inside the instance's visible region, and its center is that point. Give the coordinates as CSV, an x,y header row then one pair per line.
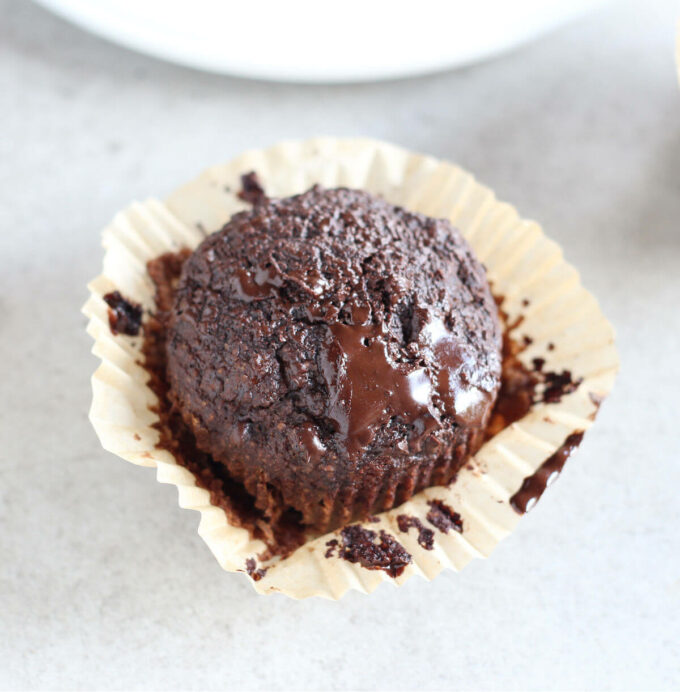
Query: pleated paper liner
x,y
524,267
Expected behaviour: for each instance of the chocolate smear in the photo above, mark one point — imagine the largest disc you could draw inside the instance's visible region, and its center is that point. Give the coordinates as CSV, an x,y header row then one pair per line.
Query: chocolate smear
x,y
534,486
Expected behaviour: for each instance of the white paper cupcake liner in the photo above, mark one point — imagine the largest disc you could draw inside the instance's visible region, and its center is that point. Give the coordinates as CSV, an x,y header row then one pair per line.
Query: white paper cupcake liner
x,y
524,267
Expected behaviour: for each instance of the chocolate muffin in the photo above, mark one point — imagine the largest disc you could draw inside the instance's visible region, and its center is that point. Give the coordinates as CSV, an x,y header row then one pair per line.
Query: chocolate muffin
x,y
336,353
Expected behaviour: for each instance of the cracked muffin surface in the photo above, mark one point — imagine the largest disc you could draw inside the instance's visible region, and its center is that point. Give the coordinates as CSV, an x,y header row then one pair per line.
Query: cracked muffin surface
x,y
336,353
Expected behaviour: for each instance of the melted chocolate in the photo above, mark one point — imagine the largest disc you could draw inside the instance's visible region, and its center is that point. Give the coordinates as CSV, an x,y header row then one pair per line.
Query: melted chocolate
x,y
533,487
251,189
462,400
254,573
367,388
311,442
125,317
442,517
425,535
370,550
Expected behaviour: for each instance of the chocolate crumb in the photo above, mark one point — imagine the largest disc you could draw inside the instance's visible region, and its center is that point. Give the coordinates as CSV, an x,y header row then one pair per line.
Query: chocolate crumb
x,y
125,317
253,573
525,303
251,189
425,535
558,385
442,517
137,437
359,546
373,519
533,486
331,546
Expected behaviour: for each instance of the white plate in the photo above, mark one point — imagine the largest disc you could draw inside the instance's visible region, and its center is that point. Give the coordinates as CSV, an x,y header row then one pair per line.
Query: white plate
x,y
318,40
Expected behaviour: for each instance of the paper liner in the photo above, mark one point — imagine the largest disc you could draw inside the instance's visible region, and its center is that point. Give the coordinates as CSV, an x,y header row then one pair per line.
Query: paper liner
x,y
523,265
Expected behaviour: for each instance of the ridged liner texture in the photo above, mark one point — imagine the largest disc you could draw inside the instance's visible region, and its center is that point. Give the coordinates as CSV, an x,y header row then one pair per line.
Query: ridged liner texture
x,y
523,265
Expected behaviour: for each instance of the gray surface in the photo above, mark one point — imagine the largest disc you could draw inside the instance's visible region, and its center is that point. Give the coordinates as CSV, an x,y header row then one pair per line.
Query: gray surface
x,y
104,582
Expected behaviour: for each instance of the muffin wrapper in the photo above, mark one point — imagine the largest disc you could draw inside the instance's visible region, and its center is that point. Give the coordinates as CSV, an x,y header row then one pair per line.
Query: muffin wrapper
x,y
523,266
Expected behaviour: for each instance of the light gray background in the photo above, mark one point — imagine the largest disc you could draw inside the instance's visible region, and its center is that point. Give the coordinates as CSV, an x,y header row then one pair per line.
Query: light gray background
x,y
104,582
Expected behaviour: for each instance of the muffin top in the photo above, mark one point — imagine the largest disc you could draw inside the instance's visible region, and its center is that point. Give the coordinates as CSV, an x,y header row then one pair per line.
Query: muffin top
x,y
319,333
